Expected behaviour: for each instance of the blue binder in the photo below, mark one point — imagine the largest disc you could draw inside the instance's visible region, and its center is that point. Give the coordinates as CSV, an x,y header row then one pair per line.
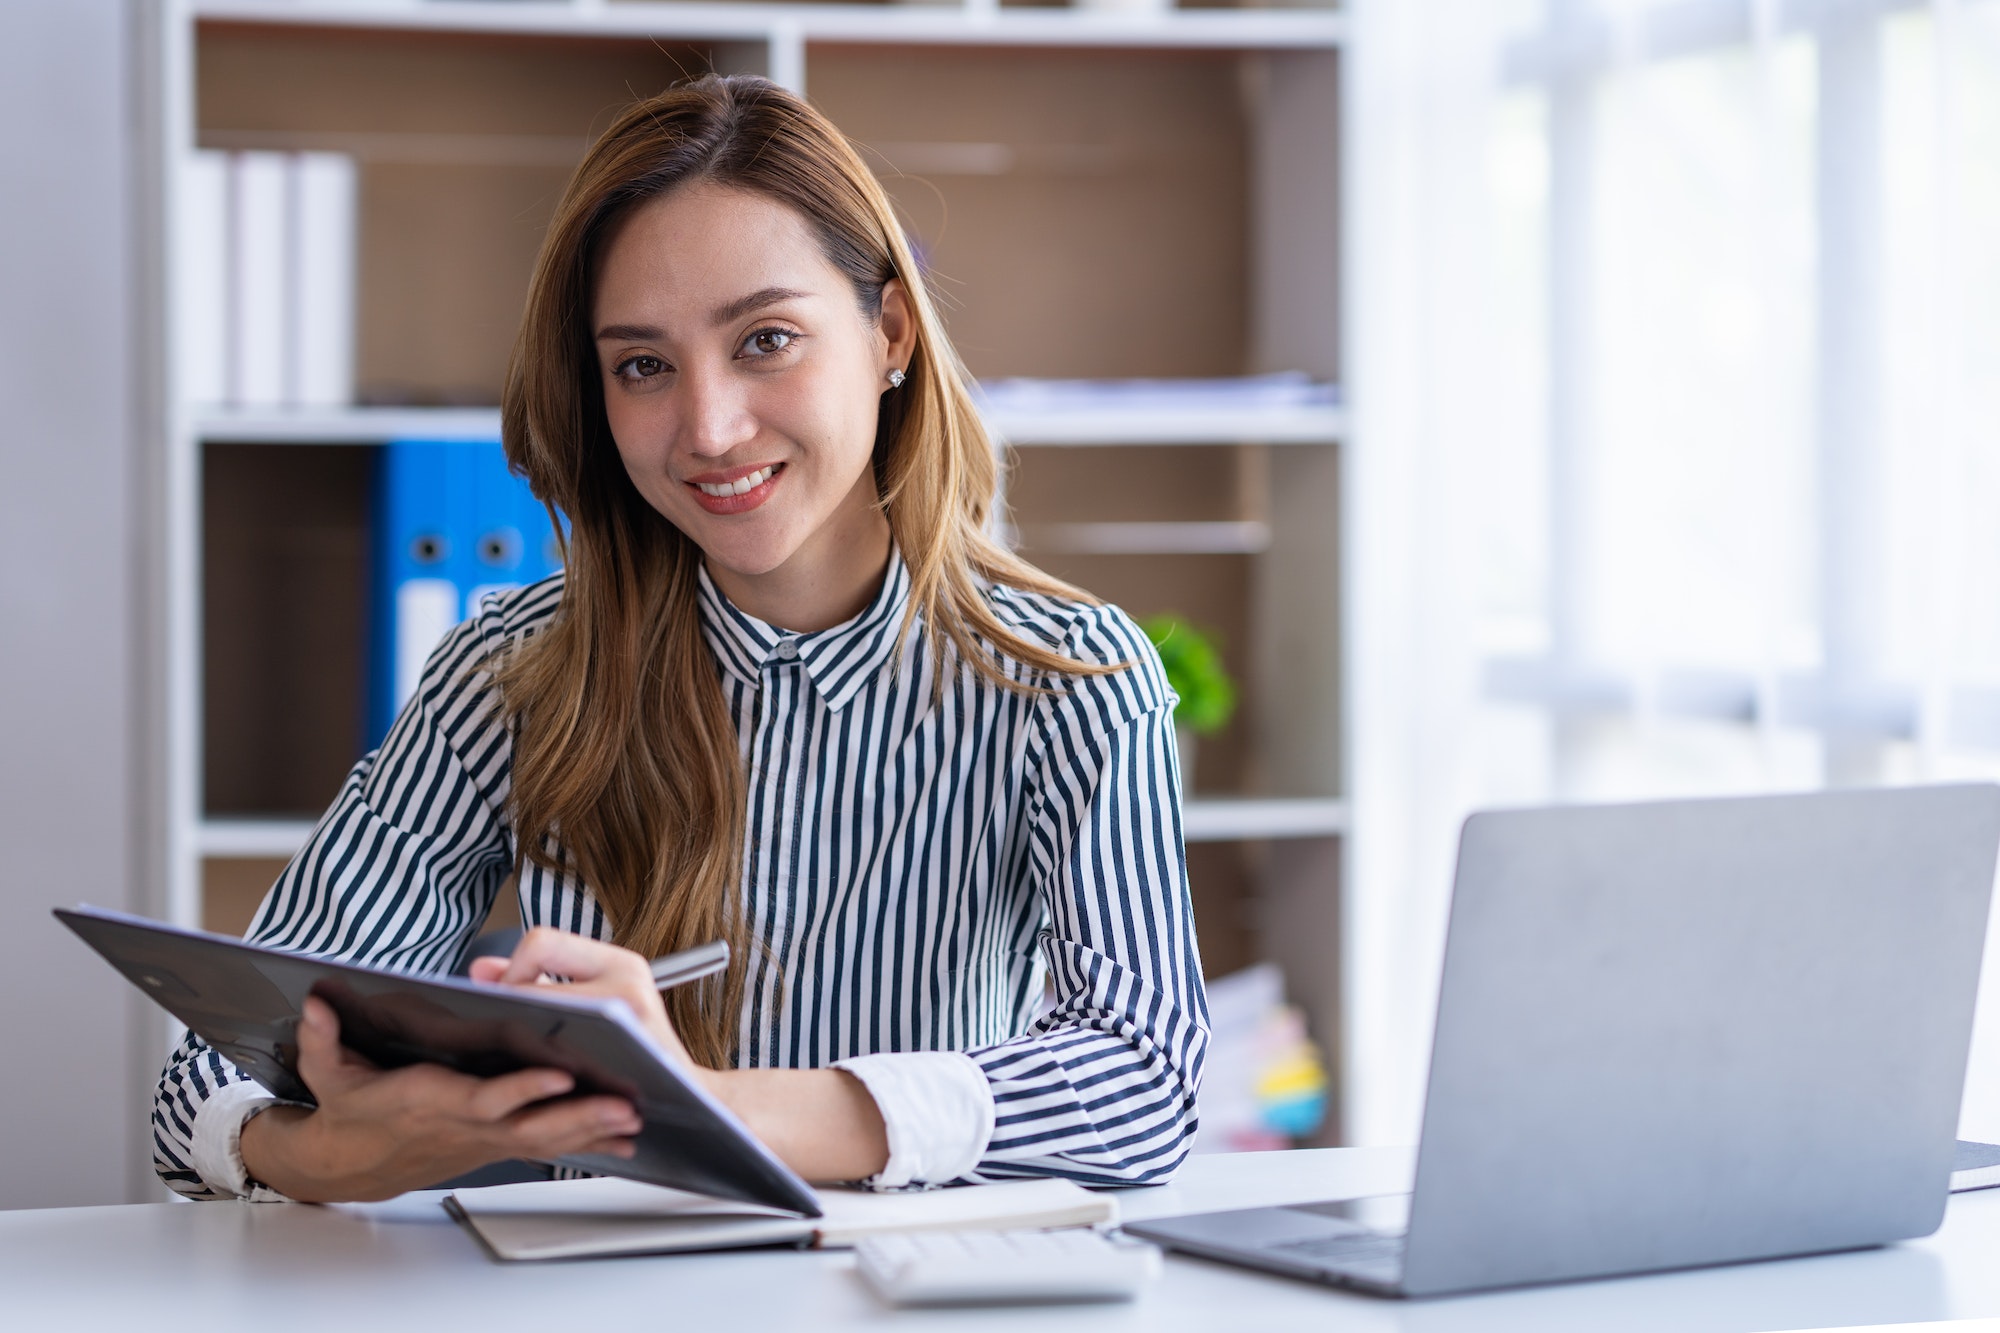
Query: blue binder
x,y
452,526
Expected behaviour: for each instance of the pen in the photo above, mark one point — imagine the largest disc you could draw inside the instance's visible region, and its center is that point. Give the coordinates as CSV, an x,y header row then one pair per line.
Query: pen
x,y
677,969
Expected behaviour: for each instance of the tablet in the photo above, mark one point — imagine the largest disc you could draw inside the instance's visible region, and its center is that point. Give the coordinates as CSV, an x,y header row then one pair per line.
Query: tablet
x,y
245,1001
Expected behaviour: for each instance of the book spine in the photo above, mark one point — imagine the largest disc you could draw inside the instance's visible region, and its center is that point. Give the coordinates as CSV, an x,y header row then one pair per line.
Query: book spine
x,y
323,254
258,282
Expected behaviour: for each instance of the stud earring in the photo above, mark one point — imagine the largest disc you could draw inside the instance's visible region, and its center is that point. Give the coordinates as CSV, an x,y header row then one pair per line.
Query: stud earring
x,y
896,378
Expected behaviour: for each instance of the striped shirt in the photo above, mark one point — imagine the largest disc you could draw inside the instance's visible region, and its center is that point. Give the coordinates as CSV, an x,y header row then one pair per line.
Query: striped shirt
x,y
978,870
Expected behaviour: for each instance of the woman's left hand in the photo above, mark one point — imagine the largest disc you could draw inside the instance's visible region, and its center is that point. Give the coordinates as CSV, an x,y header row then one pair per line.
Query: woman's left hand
x,y
589,967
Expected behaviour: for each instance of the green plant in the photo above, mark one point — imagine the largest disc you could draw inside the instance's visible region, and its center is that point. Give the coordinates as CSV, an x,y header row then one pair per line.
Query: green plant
x,y
1194,669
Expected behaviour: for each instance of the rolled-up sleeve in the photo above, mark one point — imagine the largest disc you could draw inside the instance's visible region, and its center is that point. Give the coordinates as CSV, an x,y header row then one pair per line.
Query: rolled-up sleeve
x,y
1102,1087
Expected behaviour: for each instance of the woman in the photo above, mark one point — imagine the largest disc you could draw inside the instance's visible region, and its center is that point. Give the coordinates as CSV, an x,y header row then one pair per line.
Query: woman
x,y
788,692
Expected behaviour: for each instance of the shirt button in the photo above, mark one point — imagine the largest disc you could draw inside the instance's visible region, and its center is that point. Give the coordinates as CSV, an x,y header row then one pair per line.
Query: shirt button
x,y
788,650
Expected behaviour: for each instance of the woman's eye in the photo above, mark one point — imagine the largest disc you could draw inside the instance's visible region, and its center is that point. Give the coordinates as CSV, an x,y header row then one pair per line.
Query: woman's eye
x,y
769,342
639,367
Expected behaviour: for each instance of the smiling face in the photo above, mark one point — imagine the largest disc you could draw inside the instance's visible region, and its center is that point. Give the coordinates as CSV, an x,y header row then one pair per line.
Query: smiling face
x,y
742,382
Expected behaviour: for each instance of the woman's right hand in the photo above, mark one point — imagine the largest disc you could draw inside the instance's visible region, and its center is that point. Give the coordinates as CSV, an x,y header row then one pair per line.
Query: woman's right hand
x,y
377,1133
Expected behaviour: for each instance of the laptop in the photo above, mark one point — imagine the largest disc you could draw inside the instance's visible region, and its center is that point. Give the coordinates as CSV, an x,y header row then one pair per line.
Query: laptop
x,y
1671,1035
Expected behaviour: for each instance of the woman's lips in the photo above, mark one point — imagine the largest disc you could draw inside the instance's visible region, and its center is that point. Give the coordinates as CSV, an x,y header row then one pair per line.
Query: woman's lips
x,y
737,502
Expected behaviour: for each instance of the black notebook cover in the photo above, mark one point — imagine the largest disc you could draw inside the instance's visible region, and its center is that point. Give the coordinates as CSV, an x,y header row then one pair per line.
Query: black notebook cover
x,y
245,1001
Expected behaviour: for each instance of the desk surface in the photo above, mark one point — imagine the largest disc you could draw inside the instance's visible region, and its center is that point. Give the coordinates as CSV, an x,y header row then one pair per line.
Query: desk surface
x,y
405,1265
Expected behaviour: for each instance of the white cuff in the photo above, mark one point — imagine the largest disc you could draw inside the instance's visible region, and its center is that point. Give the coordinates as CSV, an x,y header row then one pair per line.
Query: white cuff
x,y
218,1140
938,1109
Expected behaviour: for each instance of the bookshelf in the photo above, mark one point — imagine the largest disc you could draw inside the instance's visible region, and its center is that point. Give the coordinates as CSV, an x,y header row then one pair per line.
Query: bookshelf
x,y
1099,196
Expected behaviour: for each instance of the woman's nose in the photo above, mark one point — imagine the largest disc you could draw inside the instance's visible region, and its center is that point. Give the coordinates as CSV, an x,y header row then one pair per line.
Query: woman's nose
x,y
716,418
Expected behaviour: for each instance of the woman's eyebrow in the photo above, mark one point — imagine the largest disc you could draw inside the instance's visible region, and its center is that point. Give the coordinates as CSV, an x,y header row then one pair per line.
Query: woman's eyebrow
x,y
755,301
724,314
628,333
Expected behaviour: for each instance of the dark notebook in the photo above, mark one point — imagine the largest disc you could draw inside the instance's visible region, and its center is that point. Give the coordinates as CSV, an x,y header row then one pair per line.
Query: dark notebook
x,y
245,1001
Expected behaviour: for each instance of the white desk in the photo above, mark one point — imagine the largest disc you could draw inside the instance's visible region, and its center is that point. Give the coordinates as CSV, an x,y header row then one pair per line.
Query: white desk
x,y
405,1265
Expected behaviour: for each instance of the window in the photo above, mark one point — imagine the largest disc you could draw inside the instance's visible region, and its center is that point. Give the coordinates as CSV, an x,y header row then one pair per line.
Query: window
x,y
1727,516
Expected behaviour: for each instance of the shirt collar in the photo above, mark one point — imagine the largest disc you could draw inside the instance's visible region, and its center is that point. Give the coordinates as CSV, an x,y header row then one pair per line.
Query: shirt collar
x,y
840,660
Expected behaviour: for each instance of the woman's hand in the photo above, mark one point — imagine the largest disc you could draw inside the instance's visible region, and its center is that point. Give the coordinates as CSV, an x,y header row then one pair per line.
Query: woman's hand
x,y
377,1133
590,967
821,1122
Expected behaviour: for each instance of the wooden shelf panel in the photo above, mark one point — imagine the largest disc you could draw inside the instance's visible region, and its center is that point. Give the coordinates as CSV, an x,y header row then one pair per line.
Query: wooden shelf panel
x,y
1111,239
890,25
284,624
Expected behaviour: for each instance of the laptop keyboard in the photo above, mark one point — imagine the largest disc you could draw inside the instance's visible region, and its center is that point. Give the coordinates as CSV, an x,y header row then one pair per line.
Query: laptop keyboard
x,y
1369,1255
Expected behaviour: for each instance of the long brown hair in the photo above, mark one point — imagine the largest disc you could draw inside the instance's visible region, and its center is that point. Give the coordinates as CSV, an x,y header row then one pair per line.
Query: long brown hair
x,y
625,768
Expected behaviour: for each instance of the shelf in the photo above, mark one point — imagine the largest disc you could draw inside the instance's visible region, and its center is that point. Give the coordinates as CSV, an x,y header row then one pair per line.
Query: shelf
x,y
251,837
347,425
1250,819
1286,425
1203,819
886,24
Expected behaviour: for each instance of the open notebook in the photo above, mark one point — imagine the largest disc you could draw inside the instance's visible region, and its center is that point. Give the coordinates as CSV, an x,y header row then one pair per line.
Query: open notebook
x,y
578,1219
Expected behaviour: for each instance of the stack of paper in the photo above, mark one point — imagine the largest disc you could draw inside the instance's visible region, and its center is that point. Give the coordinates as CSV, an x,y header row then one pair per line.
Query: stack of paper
x,y
577,1219
1264,1086
1236,393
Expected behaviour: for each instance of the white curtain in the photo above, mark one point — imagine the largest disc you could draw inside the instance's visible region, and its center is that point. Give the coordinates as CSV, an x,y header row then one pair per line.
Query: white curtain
x,y
1674,354
1420,95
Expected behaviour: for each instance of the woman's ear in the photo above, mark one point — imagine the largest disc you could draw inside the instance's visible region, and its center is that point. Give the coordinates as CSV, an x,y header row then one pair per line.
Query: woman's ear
x,y
898,327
